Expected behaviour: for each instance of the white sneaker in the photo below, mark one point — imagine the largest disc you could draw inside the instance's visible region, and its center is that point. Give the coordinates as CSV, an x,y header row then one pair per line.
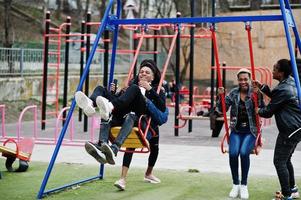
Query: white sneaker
x,y
105,107
244,193
152,179
235,191
120,184
84,103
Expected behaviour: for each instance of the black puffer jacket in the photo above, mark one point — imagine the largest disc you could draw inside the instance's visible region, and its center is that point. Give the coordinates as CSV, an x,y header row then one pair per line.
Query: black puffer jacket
x,y
284,105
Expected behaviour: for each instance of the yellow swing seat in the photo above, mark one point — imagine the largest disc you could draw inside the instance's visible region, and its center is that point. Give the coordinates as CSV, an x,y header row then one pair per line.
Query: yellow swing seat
x,y
135,140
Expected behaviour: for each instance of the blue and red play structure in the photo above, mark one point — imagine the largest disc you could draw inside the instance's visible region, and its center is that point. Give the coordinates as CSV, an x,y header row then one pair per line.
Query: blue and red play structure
x,y
112,22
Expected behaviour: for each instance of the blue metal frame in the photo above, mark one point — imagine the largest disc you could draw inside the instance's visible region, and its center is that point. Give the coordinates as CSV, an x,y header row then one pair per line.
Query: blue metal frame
x,y
115,21
285,8
196,20
64,129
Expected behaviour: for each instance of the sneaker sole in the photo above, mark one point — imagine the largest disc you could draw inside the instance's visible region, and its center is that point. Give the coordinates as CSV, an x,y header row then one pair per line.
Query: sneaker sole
x,y
150,181
121,188
81,99
89,111
92,150
82,102
106,149
103,109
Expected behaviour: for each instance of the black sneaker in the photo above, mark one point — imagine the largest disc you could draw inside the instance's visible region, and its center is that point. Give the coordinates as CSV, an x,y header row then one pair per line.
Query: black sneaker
x,y
107,150
95,152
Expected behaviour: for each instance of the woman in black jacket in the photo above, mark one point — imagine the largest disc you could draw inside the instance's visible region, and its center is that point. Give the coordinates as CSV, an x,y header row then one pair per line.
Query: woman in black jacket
x,y
285,106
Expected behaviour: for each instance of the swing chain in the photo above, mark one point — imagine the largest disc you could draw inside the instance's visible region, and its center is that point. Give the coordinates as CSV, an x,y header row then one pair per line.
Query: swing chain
x,y
212,27
248,26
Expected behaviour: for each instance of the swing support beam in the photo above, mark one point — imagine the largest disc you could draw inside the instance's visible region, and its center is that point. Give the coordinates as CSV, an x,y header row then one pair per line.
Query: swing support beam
x,y
112,22
197,20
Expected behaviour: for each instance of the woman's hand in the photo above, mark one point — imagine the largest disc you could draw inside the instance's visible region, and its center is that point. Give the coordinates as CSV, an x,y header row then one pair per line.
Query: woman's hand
x,y
221,90
256,85
256,110
145,85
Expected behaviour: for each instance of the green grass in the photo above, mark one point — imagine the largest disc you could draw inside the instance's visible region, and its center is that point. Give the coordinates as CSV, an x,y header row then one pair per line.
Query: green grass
x,y
176,185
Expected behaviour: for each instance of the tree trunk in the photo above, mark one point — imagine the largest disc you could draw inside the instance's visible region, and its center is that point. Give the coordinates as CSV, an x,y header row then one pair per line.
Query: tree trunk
x,y
45,9
66,6
58,9
255,4
102,8
79,11
8,41
87,7
224,5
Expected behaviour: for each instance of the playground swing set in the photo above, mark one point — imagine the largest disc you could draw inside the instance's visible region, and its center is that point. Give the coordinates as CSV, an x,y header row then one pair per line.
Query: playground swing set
x,y
113,22
136,142
265,77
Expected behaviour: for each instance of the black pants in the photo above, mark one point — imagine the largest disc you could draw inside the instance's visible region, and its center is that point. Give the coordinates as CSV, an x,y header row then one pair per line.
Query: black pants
x,y
130,101
284,150
152,159
101,91
117,114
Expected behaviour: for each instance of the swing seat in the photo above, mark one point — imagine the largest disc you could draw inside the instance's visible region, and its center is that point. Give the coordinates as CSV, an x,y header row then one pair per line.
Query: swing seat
x,y
22,151
254,151
135,140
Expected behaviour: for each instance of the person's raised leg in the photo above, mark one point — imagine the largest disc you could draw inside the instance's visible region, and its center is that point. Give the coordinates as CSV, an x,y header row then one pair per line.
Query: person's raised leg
x,y
131,99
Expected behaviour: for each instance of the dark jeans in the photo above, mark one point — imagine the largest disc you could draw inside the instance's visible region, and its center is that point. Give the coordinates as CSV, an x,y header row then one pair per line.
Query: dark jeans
x,y
126,123
284,150
241,144
152,159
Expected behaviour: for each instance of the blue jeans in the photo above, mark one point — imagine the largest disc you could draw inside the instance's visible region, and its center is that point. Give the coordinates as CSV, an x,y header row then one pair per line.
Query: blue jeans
x,y
241,144
126,129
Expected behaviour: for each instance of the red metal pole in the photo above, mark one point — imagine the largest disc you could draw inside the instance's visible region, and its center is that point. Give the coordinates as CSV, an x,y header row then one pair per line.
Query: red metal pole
x,y
258,138
222,96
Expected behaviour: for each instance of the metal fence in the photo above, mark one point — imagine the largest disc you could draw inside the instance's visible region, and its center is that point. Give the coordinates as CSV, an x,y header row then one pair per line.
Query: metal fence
x,y
19,61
